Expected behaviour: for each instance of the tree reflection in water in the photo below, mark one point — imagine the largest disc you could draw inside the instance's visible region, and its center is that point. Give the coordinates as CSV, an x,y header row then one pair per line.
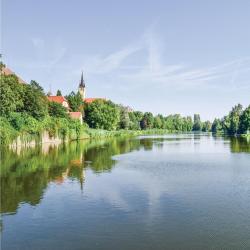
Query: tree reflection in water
x,y
25,174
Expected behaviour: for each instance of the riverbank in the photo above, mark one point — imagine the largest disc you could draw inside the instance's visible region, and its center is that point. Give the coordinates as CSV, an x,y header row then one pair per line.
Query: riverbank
x,y
21,130
29,140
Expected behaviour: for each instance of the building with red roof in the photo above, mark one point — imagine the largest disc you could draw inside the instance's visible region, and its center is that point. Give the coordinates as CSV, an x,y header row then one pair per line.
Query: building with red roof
x,y
90,100
6,71
63,101
59,99
76,116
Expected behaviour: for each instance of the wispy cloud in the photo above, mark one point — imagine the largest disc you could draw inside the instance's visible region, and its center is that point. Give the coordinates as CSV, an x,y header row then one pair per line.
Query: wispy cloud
x,y
127,66
106,64
155,70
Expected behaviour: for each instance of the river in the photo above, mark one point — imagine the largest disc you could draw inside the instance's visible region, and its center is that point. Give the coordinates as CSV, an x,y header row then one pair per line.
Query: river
x,y
180,191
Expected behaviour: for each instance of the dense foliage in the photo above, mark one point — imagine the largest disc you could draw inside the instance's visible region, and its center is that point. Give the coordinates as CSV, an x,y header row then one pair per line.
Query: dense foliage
x,y
59,93
236,122
25,98
57,110
102,114
75,101
25,109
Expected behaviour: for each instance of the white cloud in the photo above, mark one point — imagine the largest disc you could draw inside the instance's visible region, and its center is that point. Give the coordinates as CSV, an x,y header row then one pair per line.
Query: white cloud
x,y
120,66
155,71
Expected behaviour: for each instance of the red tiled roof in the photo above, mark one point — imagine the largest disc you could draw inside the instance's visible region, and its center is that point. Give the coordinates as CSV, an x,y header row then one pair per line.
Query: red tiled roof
x,y
8,72
58,99
75,115
89,100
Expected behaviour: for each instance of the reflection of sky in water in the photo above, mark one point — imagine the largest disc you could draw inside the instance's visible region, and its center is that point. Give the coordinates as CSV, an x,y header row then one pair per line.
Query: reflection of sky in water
x,y
184,193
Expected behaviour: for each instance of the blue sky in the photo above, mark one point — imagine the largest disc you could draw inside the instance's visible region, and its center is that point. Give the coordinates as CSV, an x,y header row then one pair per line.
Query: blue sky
x,y
161,56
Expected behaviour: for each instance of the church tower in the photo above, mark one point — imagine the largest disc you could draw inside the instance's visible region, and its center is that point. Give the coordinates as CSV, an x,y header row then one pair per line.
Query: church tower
x,y
82,88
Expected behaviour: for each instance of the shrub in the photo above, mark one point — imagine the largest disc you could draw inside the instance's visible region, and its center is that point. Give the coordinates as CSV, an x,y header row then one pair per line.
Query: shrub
x,y
23,122
102,114
57,110
7,132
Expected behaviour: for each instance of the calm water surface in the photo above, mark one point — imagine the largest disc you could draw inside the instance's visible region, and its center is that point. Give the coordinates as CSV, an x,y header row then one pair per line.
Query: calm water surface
x,y
158,192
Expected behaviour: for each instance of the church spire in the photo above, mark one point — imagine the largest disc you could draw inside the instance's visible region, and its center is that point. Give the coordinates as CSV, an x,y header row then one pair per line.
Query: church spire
x,y
82,83
81,87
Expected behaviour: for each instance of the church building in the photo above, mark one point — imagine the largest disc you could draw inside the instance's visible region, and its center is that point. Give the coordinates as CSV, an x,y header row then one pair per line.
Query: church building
x,y
82,91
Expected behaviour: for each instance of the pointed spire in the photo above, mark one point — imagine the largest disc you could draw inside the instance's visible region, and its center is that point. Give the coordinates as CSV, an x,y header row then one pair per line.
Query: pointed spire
x,y
82,83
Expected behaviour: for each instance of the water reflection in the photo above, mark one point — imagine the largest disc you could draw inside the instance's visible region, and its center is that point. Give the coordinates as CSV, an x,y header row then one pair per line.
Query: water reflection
x,y
239,145
26,174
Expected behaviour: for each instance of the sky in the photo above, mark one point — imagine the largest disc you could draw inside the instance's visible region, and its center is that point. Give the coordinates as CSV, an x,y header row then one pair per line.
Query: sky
x,y
160,56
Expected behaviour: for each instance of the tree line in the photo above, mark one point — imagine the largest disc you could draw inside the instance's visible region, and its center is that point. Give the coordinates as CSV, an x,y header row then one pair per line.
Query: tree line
x,y
236,122
103,114
26,106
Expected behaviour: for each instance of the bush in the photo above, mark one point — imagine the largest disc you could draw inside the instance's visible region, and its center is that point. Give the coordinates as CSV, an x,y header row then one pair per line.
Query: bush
x,y
23,122
7,132
102,114
57,110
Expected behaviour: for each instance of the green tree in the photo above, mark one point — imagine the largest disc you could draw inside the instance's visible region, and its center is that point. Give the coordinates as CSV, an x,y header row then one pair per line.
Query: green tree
x,y
11,95
244,124
75,101
234,119
206,126
147,121
158,122
57,110
197,123
36,86
177,122
59,93
102,114
35,103
124,117
135,118
217,126
169,124
23,122
189,123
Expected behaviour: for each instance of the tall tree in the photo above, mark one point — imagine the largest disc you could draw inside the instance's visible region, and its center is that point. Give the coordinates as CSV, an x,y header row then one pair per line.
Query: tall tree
x,y
233,119
102,114
217,126
158,122
147,121
206,126
244,124
124,117
75,101
135,117
197,123
59,93
57,110
37,87
11,94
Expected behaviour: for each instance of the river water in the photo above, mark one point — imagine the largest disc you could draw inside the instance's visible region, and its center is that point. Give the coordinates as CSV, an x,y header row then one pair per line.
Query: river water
x,y
180,191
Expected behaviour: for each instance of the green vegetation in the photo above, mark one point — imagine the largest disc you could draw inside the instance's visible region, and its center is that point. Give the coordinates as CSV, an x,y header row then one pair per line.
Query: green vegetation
x,y
57,110
197,123
102,114
75,101
59,93
237,122
26,112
